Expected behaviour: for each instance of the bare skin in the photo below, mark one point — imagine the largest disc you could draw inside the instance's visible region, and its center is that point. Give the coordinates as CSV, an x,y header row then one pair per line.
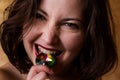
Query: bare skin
x,y
9,72
57,27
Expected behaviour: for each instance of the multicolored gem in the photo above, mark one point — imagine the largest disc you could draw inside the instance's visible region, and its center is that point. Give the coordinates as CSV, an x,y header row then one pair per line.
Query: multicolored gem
x,y
45,59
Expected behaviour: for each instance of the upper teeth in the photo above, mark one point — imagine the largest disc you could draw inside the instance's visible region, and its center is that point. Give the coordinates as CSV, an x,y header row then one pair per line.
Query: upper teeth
x,y
40,49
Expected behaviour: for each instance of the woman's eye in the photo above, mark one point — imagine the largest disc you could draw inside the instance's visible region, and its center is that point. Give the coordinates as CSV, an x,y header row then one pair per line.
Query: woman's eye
x,y
39,16
71,26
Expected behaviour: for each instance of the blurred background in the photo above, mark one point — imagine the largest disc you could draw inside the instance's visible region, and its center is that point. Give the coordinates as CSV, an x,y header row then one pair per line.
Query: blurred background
x,y
115,6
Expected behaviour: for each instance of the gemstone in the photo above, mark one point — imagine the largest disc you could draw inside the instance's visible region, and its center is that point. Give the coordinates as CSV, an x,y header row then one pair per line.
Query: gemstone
x,y
45,59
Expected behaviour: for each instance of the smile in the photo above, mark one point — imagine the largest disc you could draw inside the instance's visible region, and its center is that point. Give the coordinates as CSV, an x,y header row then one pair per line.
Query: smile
x,y
40,49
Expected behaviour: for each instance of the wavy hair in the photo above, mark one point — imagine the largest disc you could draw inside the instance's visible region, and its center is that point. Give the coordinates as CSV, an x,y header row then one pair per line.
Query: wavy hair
x,y
98,55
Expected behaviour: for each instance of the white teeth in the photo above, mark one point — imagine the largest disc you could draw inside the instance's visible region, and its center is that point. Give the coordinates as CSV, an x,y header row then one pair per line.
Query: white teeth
x,y
40,49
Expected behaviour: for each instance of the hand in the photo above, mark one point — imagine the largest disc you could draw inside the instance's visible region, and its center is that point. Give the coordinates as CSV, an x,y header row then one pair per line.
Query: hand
x,y
39,72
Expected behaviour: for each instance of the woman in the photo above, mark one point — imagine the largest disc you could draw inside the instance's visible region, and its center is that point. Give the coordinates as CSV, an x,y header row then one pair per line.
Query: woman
x,y
79,30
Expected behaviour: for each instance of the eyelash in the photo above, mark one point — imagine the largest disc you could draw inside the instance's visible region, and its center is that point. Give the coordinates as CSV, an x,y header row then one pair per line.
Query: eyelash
x,y
71,25
40,17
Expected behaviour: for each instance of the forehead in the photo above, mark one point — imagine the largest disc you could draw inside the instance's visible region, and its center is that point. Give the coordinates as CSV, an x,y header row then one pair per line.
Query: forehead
x,y
62,6
66,3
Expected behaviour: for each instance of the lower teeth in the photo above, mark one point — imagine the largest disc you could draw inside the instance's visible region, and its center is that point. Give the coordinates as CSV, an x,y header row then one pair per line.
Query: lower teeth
x,y
45,59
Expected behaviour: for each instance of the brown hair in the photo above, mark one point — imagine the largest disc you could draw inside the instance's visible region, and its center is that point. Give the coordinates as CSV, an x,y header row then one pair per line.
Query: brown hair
x,y
98,55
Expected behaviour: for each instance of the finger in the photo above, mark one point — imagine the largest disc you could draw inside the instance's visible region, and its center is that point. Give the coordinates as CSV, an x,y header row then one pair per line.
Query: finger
x,y
37,69
40,76
47,79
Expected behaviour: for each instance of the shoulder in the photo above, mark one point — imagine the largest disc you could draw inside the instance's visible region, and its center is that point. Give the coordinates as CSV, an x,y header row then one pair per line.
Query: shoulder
x,y
5,75
9,72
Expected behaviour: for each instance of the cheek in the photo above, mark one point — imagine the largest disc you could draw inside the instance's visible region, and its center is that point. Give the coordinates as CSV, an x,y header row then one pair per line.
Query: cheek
x,y
72,45
28,40
73,42
29,49
30,34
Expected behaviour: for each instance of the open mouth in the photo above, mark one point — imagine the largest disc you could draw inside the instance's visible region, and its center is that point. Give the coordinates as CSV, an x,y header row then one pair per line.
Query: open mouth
x,y
40,49
45,56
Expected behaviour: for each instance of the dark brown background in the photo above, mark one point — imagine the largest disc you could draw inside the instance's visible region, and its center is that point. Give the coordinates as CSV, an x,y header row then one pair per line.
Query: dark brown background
x,y
115,6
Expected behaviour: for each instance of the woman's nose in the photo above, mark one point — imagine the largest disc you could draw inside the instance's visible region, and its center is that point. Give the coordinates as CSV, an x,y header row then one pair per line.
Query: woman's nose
x,y
50,36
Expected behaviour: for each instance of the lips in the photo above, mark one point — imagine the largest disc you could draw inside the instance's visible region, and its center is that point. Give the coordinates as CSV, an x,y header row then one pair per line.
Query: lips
x,y
41,49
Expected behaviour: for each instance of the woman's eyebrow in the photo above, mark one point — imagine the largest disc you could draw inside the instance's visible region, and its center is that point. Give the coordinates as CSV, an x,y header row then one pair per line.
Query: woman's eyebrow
x,y
42,12
70,19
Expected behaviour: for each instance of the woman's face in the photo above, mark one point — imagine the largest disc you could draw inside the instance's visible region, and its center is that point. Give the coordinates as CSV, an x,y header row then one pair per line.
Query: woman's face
x,y
57,27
